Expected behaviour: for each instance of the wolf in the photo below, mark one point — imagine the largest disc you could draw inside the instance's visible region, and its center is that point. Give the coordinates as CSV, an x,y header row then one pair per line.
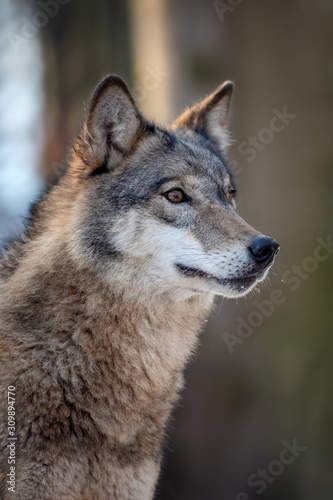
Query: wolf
x,y
104,295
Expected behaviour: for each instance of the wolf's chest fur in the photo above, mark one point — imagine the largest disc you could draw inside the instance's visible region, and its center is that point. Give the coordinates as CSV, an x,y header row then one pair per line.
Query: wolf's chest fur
x,y
96,373
103,298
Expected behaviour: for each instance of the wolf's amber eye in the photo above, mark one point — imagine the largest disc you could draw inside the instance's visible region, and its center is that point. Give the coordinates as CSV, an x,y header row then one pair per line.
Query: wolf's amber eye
x,y
175,195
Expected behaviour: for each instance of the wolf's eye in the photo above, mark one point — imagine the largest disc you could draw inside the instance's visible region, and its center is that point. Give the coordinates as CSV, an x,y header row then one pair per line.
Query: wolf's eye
x,y
175,196
231,193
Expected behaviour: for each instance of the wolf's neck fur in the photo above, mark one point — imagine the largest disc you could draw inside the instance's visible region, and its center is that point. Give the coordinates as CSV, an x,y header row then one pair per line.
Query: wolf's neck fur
x,y
120,355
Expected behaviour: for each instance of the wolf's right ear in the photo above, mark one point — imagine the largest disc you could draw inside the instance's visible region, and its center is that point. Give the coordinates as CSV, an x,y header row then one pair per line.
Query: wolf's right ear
x,y
112,127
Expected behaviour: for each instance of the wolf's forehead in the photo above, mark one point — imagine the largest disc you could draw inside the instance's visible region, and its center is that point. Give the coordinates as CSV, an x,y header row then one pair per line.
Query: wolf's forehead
x,y
182,155
157,162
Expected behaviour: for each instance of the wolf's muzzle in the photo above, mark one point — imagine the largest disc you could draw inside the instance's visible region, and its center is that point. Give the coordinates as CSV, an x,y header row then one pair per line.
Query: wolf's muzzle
x,y
263,250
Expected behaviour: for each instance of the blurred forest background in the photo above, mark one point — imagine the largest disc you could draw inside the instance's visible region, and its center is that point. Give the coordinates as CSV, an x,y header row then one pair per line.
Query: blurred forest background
x,y
263,373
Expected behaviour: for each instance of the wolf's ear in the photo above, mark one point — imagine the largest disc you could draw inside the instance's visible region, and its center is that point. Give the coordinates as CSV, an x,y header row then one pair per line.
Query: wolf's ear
x,y
210,116
112,126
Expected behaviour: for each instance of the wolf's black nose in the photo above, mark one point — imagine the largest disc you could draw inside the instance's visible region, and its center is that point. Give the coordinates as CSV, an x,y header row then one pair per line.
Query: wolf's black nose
x,y
263,249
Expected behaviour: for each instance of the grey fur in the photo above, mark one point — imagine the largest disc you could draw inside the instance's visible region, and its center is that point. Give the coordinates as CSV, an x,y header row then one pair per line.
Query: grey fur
x,y
102,300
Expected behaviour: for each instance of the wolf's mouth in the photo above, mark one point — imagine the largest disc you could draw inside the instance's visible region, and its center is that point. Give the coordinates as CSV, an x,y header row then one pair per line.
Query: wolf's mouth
x,y
238,283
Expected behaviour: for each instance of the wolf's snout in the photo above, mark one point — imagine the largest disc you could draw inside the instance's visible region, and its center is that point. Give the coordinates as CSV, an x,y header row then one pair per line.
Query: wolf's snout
x,y
263,249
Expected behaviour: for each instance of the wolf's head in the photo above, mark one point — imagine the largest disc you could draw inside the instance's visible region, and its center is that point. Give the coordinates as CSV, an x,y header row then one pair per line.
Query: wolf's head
x,y
157,204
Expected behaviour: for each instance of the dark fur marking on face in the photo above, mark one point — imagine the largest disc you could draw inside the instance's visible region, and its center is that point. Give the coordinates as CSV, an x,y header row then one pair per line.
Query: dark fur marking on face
x,y
168,220
168,140
150,128
155,187
103,169
96,241
124,195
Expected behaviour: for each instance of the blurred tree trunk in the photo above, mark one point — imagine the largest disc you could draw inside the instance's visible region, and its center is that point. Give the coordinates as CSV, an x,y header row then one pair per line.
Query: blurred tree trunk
x,y
154,63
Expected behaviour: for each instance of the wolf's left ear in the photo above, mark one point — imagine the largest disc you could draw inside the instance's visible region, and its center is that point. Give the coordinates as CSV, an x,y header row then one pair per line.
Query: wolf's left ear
x,y
210,117
112,126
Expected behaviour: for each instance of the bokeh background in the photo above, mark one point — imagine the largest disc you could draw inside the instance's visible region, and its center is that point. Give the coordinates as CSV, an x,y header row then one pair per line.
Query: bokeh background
x,y
254,387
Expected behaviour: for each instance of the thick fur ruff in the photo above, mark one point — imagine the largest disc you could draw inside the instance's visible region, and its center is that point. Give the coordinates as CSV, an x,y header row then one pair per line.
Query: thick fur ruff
x,y
104,296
